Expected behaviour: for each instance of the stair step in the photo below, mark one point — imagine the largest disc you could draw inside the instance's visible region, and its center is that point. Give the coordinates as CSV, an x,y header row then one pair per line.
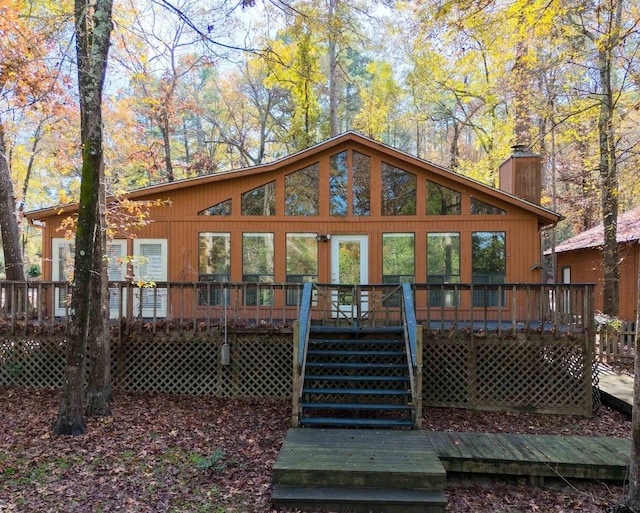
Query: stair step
x,y
345,421
319,352
356,341
355,391
380,379
356,330
359,499
358,406
355,365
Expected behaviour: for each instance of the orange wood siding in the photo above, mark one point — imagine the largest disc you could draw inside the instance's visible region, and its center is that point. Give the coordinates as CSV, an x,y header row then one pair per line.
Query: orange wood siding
x,y
586,267
180,224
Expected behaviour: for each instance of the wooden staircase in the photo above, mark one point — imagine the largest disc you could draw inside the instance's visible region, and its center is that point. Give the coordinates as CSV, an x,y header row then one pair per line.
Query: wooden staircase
x,y
359,471
357,377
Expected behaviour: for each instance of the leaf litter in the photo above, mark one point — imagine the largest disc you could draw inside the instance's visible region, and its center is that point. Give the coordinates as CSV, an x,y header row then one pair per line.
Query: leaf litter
x,y
162,453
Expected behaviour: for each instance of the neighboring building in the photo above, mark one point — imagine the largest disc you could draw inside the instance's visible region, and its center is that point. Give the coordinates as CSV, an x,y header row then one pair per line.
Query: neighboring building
x,y
348,210
580,260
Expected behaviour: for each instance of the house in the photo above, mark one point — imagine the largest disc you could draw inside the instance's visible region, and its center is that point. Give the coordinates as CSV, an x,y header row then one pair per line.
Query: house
x,y
580,260
348,210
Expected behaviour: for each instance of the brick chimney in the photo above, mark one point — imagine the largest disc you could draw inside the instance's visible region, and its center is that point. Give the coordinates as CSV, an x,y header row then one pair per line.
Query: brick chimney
x,y
521,174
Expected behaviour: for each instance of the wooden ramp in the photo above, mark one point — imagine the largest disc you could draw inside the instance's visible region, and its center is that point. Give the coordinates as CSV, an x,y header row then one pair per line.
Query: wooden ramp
x,y
359,471
386,471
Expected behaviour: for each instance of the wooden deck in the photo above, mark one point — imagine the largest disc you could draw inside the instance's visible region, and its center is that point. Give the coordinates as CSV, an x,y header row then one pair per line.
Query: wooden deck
x,y
405,471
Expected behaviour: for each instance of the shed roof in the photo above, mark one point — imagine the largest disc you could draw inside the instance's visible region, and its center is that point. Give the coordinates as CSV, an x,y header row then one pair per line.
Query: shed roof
x,y
628,231
546,217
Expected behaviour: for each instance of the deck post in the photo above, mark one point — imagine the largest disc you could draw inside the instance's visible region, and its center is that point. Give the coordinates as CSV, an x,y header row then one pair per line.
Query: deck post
x,y
295,379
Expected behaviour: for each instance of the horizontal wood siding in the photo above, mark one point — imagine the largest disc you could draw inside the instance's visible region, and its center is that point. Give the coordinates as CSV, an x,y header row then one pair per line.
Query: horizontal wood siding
x,y
180,223
586,267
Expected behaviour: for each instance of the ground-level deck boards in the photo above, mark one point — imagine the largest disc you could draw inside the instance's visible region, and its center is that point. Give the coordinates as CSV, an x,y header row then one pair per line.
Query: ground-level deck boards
x,y
533,455
333,457
617,390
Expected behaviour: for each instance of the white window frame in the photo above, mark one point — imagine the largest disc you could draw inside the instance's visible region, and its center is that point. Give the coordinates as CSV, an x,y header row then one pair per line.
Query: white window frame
x,y
149,310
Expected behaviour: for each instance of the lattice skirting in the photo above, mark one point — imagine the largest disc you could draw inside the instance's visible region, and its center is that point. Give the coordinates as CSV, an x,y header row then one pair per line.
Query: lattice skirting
x,y
537,373
181,363
543,373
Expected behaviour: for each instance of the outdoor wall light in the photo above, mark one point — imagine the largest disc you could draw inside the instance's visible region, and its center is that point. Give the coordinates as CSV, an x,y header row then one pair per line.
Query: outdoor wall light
x,y
323,238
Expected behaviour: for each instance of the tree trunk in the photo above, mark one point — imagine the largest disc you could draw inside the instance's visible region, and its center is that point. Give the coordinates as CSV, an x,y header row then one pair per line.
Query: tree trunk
x,y
99,384
609,185
93,34
8,220
633,497
166,140
333,69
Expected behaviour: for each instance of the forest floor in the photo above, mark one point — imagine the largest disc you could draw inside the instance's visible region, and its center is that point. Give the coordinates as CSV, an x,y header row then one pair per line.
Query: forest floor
x,y
160,453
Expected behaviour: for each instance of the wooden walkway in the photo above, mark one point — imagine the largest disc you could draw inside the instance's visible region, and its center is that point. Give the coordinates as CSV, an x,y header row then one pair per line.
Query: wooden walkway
x,y
389,471
535,456
617,390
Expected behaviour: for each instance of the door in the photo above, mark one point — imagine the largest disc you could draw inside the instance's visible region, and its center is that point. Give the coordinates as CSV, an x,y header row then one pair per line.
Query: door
x,y
349,266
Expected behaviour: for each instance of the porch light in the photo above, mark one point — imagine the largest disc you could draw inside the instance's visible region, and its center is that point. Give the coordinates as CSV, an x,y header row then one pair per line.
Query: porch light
x,y
323,238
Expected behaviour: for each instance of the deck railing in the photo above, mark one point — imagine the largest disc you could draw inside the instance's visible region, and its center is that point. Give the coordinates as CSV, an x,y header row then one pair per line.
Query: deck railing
x,y
201,306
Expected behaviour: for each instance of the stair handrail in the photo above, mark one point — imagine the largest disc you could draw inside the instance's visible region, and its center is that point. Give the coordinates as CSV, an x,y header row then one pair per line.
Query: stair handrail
x,y
413,344
305,322
409,318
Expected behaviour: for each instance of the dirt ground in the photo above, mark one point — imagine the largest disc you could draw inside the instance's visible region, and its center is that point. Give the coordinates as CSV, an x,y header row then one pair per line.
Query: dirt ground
x,y
182,454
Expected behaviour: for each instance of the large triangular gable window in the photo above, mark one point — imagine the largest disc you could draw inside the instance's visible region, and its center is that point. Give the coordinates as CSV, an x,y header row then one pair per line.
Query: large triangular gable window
x,y
302,192
261,201
219,209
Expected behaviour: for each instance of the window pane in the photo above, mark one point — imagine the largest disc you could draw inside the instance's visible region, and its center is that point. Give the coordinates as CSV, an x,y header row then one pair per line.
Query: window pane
x,y
257,254
398,192
483,209
260,201
214,256
442,201
360,188
443,266
302,192
338,184
220,209
398,257
302,256
443,256
489,265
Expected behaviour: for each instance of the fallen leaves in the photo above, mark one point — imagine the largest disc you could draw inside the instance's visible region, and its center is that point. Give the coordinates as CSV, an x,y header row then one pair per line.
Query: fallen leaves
x,y
182,454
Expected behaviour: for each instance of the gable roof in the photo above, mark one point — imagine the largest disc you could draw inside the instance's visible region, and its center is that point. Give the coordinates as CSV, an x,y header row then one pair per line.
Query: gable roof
x,y
546,217
628,231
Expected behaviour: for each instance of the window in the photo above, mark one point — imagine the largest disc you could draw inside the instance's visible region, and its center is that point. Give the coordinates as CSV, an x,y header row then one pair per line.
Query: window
x,y
489,265
566,275
443,266
398,192
484,209
117,271
302,261
302,194
63,262
361,178
214,264
338,184
398,262
258,266
63,254
341,181
260,201
220,209
150,265
442,201
398,258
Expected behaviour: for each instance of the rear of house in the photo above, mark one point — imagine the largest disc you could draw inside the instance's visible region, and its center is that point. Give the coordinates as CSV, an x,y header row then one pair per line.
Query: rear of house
x,y
349,210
